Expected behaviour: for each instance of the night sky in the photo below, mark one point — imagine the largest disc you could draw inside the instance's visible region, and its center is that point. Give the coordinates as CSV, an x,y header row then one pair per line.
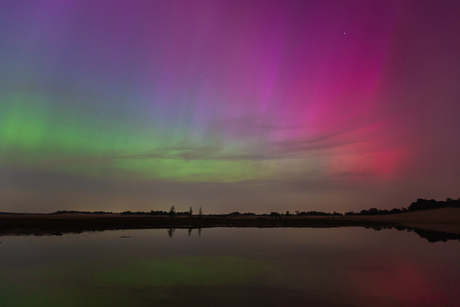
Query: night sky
x,y
250,106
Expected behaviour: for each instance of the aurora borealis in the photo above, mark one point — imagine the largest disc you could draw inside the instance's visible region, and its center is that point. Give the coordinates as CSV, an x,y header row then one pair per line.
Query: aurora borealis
x,y
251,106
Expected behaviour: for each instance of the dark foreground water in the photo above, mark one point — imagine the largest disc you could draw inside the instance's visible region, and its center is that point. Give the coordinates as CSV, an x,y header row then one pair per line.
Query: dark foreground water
x,y
230,267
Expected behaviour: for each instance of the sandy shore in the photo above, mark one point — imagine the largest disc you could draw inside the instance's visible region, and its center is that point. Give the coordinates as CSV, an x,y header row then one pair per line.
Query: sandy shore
x,y
440,220
444,219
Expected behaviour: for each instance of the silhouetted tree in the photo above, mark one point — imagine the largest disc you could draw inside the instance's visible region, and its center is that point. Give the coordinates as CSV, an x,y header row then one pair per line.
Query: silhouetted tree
x,y
172,212
200,212
423,204
190,212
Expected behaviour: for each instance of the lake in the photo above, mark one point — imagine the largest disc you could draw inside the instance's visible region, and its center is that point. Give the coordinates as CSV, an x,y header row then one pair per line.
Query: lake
x,y
350,266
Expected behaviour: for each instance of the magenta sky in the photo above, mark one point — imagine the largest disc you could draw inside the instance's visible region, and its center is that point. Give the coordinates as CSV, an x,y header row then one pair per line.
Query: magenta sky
x,y
231,105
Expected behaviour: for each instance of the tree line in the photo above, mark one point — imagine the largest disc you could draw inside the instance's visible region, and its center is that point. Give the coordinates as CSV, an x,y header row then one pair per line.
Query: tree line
x,y
420,204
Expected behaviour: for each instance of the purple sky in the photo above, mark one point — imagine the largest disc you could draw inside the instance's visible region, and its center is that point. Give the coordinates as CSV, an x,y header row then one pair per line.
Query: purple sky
x,y
251,106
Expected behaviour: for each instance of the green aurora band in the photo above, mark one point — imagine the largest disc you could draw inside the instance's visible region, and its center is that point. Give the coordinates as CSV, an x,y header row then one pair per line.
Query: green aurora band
x,y
35,135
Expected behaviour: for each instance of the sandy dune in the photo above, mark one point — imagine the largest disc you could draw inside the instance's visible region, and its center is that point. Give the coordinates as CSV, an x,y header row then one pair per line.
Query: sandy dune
x,y
444,219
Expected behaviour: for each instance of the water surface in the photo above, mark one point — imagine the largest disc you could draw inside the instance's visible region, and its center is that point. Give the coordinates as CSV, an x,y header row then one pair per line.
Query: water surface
x,y
230,267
